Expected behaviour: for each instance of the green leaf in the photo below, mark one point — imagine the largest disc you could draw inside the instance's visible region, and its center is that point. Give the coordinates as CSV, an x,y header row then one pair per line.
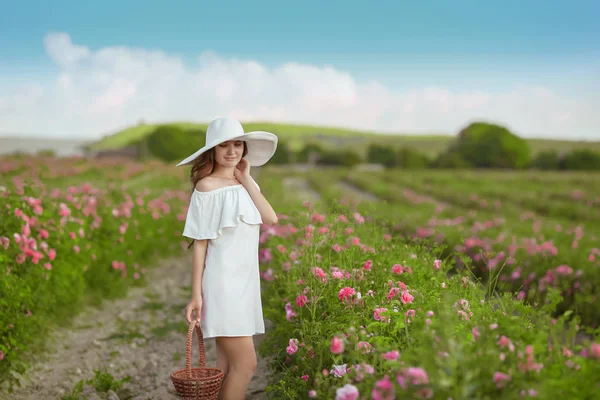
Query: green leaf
x,y
373,326
399,324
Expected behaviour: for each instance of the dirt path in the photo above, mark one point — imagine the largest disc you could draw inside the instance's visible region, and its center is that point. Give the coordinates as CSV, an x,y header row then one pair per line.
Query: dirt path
x,y
356,192
299,188
142,337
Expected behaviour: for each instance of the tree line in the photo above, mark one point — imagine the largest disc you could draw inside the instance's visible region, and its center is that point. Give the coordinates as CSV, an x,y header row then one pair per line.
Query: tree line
x,y
479,145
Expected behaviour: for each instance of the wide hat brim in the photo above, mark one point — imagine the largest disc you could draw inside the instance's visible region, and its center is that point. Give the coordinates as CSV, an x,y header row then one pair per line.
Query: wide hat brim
x,y
261,147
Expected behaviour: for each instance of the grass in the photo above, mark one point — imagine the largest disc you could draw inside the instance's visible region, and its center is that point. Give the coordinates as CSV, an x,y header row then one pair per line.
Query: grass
x,y
103,381
165,329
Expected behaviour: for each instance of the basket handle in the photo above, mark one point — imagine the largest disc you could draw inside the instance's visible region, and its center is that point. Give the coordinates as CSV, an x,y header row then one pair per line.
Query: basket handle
x,y
188,351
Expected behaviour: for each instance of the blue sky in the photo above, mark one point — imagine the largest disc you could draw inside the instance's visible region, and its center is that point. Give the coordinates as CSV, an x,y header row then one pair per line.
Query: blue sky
x,y
458,46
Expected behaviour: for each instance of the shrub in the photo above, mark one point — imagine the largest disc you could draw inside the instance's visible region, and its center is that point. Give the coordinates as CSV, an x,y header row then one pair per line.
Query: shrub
x,y
379,154
410,158
582,160
547,160
283,155
344,158
484,145
303,155
450,160
171,143
47,153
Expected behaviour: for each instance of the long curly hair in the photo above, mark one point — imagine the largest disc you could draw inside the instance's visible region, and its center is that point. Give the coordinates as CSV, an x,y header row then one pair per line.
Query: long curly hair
x,y
203,166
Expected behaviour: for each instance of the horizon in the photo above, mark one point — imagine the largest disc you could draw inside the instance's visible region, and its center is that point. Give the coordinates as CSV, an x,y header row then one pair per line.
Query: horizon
x,y
350,131
82,72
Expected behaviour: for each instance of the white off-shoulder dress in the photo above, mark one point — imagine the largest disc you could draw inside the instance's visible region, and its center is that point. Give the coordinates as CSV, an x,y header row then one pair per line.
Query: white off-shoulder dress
x,y
229,219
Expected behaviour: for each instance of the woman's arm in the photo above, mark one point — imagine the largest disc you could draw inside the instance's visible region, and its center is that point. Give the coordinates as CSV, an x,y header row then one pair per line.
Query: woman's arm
x,y
267,213
197,271
198,266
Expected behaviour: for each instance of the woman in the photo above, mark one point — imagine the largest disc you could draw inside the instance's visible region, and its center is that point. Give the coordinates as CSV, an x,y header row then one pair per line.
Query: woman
x,y
224,217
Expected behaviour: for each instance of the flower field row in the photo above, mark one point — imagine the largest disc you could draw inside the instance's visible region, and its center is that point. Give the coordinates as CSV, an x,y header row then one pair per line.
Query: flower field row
x,y
571,197
360,314
72,233
359,311
515,249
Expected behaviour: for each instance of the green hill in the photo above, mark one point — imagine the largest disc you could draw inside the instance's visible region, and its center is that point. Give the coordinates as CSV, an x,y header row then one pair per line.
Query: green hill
x,y
298,135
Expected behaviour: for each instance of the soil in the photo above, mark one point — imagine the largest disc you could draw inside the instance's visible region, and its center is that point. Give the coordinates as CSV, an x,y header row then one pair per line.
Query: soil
x,y
142,336
301,189
356,192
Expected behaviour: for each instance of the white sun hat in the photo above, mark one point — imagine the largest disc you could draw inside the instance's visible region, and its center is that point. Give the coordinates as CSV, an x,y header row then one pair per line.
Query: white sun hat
x,y
261,145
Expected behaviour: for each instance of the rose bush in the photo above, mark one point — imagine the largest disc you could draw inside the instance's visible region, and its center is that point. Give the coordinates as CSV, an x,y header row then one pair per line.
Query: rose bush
x,y
358,313
71,236
512,248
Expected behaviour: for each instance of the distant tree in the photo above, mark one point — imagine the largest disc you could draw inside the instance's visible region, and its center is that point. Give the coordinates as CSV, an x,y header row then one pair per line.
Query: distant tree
x,y
304,154
171,143
547,160
582,160
410,158
47,152
283,155
343,158
485,145
378,154
449,160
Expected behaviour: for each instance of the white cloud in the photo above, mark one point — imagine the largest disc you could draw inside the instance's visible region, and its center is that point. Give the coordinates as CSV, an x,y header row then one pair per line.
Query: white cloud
x,y
100,91
62,50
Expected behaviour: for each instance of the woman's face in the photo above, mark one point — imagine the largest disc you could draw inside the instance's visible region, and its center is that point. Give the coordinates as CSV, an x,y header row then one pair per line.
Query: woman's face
x,y
229,153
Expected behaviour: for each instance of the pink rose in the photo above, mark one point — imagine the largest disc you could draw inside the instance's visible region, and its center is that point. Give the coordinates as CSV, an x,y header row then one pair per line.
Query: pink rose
x,y
337,345
406,297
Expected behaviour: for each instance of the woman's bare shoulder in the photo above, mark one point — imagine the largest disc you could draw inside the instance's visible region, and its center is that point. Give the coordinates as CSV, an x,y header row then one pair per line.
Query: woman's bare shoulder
x,y
206,184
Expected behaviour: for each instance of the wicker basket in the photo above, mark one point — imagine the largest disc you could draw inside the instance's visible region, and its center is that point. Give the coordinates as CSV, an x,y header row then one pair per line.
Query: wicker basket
x,y
197,383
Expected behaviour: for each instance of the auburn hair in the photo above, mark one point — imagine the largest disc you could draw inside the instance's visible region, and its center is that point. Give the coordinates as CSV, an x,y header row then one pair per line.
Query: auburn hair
x,y
203,166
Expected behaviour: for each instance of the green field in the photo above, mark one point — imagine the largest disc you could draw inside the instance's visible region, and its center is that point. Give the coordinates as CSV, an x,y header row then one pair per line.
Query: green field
x,y
298,135
419,284
538,221
531,260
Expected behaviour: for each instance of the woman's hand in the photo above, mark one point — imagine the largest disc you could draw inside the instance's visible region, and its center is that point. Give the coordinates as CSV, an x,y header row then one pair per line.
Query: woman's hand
x,y
194,304
242,170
